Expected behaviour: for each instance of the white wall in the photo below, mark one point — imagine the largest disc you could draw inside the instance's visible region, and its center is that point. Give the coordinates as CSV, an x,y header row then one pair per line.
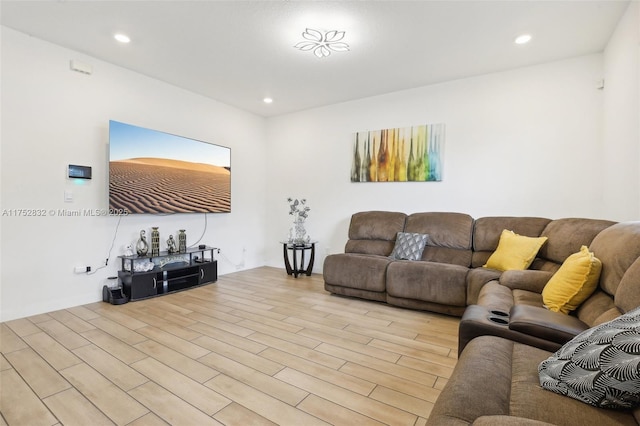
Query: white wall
x,y
621,119
521,142
537,141
52,117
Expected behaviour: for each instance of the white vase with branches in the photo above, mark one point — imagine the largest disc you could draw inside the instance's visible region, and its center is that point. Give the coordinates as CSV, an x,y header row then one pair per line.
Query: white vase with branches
x,y
300,212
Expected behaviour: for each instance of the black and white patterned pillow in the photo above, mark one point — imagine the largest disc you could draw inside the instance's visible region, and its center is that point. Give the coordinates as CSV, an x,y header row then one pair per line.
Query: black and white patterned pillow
x,y
600,366
409,246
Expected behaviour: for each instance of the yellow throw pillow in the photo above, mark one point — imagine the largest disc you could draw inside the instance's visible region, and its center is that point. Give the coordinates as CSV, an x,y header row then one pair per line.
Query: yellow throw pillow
x,y
573,283
514,251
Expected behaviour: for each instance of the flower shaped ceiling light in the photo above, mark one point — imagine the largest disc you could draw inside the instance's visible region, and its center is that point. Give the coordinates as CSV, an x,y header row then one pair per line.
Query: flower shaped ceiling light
x,y
322,44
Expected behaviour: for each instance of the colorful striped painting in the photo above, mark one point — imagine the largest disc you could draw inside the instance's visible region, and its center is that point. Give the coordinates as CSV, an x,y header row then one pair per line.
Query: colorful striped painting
x,y
408,154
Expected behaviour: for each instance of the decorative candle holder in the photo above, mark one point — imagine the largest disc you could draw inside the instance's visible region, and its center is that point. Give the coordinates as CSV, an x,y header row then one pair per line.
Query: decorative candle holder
x,y
182,241
155,241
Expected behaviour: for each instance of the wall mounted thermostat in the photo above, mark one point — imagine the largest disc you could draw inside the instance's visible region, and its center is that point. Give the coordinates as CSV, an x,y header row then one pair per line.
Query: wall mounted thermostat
x,y
79,172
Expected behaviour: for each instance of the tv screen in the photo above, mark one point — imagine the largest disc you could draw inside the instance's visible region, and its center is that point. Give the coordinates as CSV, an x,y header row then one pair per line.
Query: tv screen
x,y
156,172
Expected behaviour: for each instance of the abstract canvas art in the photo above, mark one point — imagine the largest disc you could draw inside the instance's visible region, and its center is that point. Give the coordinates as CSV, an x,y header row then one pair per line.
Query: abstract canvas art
x,y
407,154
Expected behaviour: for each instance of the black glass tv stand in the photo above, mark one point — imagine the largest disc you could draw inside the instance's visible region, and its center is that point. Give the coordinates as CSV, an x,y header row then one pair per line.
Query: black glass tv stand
x,y
142,277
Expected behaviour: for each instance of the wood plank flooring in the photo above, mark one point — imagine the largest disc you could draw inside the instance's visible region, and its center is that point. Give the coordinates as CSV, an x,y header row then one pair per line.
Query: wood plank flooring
x,y
256,348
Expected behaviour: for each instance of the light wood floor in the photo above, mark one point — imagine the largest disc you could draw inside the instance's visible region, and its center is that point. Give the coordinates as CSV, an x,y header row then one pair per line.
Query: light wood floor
x,y
256,348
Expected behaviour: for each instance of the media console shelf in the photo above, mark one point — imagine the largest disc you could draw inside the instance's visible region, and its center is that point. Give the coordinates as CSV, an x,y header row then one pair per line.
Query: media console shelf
x,y
147,276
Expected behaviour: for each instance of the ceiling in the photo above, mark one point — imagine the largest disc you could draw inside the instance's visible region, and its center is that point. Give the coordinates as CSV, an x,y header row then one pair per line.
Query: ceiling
x,y
239,52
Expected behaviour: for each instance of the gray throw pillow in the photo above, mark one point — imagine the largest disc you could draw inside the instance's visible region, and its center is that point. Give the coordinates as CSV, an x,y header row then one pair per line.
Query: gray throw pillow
x,y
600,366
409,246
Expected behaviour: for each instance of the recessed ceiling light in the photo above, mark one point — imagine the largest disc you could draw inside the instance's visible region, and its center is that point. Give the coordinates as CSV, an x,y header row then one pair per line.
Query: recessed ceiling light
x,y
267,100
523,39
122,38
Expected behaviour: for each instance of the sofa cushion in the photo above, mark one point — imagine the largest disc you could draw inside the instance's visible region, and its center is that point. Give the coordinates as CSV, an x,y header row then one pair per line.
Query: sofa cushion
x,y
567,235
507,421
496,376
377,247
617,246
364,272
529,279
477,279
450,236
453,230
526,297
576,280
374,232
487,231
514,251
628,297
597,309
428,281
484,368
600,366
376,225
494,296
409,246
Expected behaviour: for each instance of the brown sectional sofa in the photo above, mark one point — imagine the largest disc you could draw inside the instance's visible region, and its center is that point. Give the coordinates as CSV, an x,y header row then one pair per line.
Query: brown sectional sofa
x,y
505,332
449,277
517,294
495,382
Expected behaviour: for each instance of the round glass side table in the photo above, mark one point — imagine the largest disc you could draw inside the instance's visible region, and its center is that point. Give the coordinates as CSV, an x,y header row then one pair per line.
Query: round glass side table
x,y
298,249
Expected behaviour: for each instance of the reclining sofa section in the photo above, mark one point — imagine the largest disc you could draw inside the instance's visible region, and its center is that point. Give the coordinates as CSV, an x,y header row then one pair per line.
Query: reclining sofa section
x,y
436,283
449,276
518,295
497,381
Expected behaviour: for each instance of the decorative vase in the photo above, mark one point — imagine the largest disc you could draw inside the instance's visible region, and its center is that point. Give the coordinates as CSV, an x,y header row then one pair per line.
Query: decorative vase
x,y
182,241
142,247
155,241
171,245
300,232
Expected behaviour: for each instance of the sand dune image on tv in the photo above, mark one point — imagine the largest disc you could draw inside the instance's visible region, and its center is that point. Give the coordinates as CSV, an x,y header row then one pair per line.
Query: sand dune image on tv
x,y
158,185
161,173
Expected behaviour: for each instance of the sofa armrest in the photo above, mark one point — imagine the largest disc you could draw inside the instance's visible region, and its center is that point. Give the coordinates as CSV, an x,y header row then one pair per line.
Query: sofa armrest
x,y
530,280
540,322
507,421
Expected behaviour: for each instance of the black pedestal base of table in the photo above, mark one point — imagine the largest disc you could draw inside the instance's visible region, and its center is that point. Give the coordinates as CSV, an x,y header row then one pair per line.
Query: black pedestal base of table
x,y
300,248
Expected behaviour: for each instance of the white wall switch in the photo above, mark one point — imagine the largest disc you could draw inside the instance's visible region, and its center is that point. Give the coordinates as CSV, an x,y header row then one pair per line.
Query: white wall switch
x,y
68,196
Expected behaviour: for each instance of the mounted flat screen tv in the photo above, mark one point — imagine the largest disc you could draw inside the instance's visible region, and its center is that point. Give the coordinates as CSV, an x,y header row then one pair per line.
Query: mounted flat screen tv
x,y
155,172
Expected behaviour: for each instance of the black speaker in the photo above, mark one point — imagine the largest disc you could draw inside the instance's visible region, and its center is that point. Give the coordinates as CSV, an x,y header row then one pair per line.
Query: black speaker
x,y
115,296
